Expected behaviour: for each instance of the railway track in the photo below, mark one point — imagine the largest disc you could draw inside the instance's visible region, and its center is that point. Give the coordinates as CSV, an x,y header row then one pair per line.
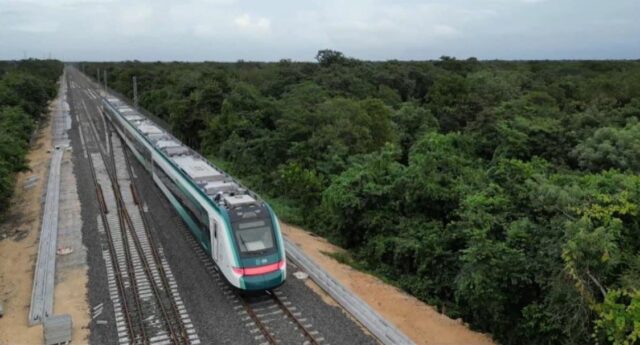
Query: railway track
x,y
380,328
274,320
267,308
148,307
271,314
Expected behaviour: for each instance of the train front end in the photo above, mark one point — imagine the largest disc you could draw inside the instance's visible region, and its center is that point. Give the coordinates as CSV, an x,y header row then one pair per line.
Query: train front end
x,y
261,256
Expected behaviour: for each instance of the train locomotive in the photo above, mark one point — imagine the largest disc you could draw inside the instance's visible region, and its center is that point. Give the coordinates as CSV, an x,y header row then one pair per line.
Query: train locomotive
x,y
236,228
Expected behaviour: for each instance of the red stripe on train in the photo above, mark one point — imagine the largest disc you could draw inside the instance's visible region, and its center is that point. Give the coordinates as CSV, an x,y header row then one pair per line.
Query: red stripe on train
x,y
254,271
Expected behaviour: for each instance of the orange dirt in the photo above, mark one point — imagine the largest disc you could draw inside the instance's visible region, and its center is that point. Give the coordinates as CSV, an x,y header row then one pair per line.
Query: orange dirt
x,y
71,298
418,321
18,253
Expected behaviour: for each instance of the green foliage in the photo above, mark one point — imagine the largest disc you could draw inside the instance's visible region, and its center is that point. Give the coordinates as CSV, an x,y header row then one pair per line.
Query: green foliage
x,y
15,129
300,184
411,121
328,57
482,187
611,147
619,317
25,90
357,203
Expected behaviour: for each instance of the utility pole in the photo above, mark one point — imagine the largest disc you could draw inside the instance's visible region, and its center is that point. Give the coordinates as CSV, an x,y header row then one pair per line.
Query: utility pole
x,y
135,92
98,76
105,80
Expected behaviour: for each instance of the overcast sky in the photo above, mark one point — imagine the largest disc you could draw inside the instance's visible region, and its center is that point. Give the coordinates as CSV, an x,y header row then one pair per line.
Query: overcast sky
x,y
228,30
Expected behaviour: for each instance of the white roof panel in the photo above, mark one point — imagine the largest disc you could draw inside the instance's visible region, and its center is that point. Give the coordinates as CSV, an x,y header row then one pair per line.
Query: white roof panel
x,y
209,178
161,144
220,186
156,136
133,117
146,128
237,200
196,167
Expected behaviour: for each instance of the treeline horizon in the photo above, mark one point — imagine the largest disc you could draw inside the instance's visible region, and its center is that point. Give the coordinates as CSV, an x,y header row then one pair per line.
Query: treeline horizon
x,y
505,193
315,61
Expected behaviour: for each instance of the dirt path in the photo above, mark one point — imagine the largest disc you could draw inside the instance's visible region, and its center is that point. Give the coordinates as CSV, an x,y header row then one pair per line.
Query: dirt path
x,y
417,320
19,236
18,250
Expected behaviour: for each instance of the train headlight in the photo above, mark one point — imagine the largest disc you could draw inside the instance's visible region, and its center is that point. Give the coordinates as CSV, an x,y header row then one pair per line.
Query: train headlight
x,y
239,271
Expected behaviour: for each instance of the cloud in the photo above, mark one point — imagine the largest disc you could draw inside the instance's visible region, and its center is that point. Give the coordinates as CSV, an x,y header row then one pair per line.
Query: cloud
x,y
134,20
39,27
368,29
254,25
444,30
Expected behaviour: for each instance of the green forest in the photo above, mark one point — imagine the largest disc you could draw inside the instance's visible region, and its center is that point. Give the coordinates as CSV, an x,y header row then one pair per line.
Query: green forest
x,y
505,193
26,87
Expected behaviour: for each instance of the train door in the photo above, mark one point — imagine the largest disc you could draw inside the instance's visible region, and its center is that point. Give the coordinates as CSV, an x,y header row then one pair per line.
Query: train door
x,y
215,252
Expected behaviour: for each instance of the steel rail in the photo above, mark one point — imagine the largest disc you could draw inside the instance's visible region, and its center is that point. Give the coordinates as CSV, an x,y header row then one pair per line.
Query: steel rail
x,y
135,295
156,256
312,340
263,328
110,243
125,218
128,227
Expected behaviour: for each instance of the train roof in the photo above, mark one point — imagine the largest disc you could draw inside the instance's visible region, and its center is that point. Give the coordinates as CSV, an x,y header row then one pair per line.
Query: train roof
x,y
134,117
147,128
166,143
197,168
221,188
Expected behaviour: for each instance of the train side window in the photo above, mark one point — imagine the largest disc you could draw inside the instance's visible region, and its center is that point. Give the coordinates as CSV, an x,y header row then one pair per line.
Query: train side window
x,y
215,230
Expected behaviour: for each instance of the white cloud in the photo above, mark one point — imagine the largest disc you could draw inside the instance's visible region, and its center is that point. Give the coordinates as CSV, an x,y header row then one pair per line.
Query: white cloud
x,y
204,30
255,25
369,29
444,30
135,20
39,27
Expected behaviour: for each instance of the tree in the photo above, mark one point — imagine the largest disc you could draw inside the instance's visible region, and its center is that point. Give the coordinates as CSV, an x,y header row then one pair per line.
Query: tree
x,y
611,147
482,187
328,57
440,169
619,317
25,89
365,189
411,122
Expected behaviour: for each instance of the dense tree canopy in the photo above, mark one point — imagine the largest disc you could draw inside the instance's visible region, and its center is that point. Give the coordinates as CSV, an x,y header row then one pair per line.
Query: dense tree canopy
x,y
25,90
505,193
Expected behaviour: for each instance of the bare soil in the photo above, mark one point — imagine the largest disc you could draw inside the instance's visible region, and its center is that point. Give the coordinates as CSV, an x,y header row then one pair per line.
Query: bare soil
x,y
19,235
18,251
419,321
71,298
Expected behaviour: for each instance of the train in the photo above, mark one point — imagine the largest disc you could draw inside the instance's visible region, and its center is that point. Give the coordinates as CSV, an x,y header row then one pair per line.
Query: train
x,y
234,226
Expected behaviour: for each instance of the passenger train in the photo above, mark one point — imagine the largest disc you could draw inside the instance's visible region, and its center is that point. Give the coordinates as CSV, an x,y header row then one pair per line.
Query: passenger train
x,y
235,227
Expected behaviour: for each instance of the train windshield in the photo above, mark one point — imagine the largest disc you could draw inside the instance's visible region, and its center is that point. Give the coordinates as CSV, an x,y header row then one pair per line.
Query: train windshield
x,y
254,237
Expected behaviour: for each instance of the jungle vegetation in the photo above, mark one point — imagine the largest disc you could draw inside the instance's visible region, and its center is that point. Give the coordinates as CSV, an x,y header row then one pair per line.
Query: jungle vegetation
x,y
26,87
505,193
